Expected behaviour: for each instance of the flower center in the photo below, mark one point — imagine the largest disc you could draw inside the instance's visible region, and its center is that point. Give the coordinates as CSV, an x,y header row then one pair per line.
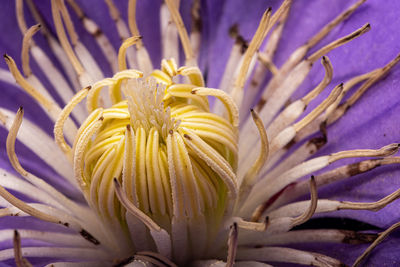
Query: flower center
x,y
171,156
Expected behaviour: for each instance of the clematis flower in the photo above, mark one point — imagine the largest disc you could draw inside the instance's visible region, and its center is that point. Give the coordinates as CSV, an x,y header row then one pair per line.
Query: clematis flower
x,y
121,159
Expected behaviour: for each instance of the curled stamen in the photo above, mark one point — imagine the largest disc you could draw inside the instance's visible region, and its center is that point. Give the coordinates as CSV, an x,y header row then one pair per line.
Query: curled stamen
x,y
324,50
336,111
294,110
194,75
43,146
375,76
187,48
133,209
129,167
334,175
377,241
261,32
10,147
52,73
341,17
25,49
276,33
143,58
382,152
169,66
59,124
101,39
68,22
160,236
232,245
213,159
81,141
237,92
29,209
58,51
299,55
122,51
36,15
25,85
132,21
252,173
325,205
225,99
324,83
313,205
263,190
318,110
39,183
287,134
122,29
19,9
114,83
90,69
55,8
253,226
374,206
11,138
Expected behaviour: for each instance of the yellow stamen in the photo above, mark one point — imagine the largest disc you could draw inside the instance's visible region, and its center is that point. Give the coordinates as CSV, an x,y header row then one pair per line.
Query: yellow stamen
x,y
187,48
225,99
254,45
55,8
68,22
132,21
11,138
59,124
19,7
122,51
26,86
25,49
251,174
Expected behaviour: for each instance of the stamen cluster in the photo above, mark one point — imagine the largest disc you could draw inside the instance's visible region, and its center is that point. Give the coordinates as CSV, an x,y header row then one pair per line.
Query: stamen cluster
x,y
173,158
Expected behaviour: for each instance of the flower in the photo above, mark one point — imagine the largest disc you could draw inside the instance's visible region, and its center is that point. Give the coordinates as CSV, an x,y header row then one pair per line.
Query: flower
x,y
89,231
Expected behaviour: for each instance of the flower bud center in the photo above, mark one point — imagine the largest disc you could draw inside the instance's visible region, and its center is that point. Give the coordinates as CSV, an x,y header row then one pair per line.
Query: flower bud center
x,y
166,149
